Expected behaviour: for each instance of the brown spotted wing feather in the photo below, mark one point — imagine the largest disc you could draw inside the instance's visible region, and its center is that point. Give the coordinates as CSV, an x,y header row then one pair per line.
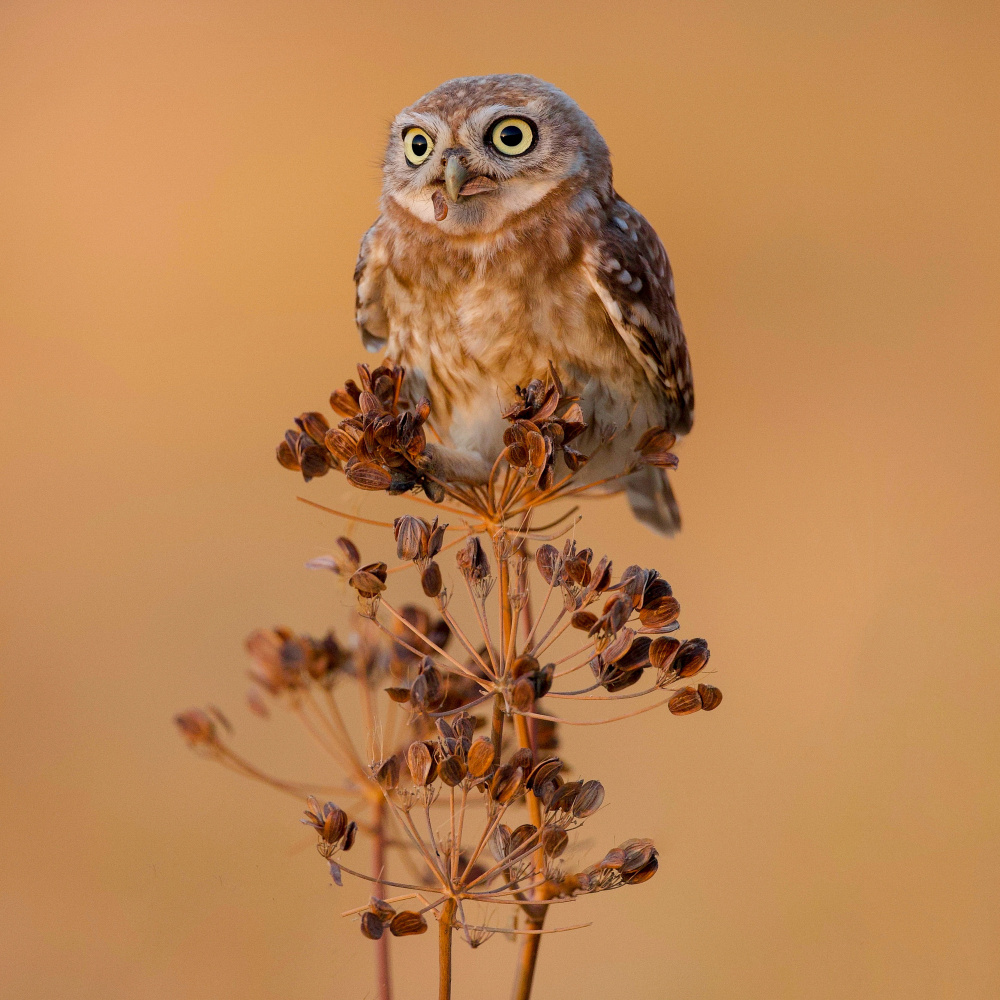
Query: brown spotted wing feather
x,y
629,270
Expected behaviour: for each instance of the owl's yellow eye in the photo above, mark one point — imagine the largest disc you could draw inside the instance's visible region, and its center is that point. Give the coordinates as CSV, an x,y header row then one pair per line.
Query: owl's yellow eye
x,y
417,145
512,136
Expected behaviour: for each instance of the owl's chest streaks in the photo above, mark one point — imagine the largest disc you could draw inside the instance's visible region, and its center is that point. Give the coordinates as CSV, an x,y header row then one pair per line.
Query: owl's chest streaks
x,y
499,321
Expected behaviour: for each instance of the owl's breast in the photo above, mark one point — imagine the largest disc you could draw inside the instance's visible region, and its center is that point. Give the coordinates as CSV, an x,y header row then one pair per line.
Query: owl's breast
x,y
473,332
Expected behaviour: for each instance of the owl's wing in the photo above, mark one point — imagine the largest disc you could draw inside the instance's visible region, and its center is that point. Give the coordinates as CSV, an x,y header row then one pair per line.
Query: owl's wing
x,y
628,269
369,276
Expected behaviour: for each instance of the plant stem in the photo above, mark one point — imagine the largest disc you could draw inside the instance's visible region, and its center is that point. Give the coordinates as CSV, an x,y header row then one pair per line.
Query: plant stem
x,y
444,949
382,971
497,733
531,942
526,961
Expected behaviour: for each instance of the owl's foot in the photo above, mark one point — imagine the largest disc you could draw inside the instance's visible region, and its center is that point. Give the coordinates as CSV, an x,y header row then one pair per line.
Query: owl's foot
x,y
449,465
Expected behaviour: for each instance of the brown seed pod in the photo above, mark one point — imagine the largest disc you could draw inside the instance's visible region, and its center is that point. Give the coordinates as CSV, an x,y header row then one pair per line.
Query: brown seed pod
x,y
350,835
507,783
662,651
341,445
383,910
644,874
565,796
431,580
452,771
661,459
554,842
633,583
367,476
472,560
399,695
638,851
659,613
407,922
314,424
366,583
313,460
711,697
547,559
286,457
500,842
691,657
523,695
480,757
522,835
588,800
685,702
523,665
654,440
420,762
411,536
435,539
523,759
388,773
584,620
427,691
343,403
543,772
371,926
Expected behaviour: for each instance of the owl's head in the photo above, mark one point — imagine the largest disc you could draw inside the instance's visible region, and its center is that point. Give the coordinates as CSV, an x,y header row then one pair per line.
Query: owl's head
x,y
478,150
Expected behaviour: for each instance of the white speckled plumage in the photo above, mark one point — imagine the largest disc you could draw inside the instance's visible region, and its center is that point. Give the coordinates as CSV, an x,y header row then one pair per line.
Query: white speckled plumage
x,y
547,264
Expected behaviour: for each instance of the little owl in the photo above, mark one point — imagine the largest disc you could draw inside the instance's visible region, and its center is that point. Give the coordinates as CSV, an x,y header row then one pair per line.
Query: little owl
x,y
503,245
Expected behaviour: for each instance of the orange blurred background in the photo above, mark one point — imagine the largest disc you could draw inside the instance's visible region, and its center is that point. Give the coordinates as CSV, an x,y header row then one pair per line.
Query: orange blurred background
x,y
184,189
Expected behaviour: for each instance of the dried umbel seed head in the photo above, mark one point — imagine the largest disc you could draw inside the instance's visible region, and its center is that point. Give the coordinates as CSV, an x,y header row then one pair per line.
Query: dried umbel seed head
x,y
331,823
480,757
711,697
691,657
406,923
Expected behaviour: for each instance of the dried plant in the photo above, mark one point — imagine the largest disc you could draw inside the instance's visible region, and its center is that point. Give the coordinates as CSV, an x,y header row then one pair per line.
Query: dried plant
x,y
422,784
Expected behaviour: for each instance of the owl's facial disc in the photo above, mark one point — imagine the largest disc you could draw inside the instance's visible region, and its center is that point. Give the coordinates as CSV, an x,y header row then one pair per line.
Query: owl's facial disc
x,y
472,156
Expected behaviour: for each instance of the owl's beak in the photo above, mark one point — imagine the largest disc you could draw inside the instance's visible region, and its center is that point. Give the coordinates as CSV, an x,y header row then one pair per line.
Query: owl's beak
x,y
455,175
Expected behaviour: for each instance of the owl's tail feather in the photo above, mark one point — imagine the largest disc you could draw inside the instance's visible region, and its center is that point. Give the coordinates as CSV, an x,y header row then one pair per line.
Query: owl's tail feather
x,y
651,498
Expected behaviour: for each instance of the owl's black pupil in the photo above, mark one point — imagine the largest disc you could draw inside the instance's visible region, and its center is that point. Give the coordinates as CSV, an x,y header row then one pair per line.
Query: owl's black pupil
x,y
511,135
419,145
